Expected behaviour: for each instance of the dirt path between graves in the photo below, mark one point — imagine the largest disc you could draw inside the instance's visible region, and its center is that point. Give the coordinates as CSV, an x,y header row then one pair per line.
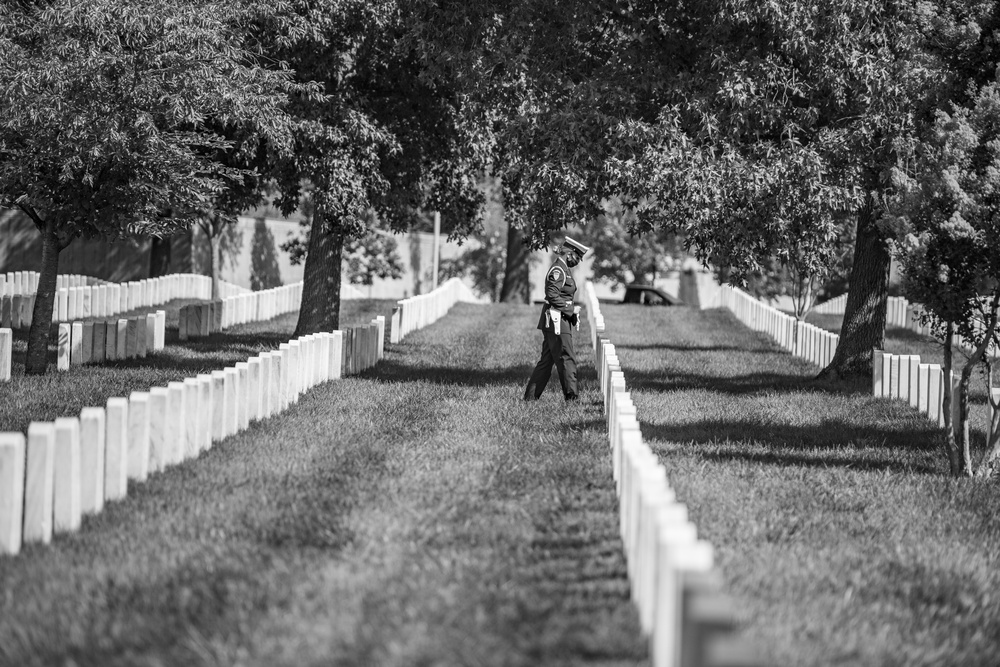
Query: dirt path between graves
x,y
418,514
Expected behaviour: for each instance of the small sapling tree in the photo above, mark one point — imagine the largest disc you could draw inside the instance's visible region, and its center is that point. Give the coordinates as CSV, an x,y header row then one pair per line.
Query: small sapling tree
x,y
947,238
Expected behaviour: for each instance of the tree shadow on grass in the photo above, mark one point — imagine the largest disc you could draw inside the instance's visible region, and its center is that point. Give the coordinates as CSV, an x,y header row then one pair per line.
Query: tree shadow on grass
x,y
389,370
907,335
830,443
666,347
749,383
392,370
823,460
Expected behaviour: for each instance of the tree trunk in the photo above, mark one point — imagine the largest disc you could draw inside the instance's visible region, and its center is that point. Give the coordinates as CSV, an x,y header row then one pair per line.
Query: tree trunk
x,y
980,355
964,449
863,329
159,257
516,286
41,316
214,243
950,444
320,307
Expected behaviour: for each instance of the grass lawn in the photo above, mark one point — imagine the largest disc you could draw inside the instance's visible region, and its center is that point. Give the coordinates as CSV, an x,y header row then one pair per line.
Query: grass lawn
x,y
43,398
835,525
417,514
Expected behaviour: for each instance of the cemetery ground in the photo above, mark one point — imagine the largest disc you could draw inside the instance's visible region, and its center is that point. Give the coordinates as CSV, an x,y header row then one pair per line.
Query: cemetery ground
x,y
836,526
419,513
422,514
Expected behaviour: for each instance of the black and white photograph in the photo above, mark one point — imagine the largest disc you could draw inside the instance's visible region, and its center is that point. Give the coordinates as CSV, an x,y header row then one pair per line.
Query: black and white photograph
x,y
499,333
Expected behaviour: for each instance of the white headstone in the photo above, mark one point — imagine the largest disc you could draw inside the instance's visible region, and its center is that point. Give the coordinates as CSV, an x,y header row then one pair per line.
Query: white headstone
x,y
673,561
138,436
176,443
877,376
76,344
232,397
206,411
39,482
6,354
158,428
904,377
92,453
242,395
336,354
116,449
935,394
66,501
253,389
12,458
192,419
219,405
923,386
914,374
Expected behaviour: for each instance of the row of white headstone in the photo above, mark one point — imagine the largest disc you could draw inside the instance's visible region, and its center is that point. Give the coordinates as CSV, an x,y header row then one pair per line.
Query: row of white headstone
x,y
416,312
921,385
672,576
125,338
69,468
110,299
260,306
80,297
899,312
26,282
6,353
802,339
834,306
16,311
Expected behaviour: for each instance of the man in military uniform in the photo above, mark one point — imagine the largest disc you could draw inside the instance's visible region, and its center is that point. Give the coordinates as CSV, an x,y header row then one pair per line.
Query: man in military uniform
x,y
556,322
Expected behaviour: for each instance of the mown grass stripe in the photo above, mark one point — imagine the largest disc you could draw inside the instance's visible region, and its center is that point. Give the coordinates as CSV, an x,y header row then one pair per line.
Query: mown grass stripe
x,y
420,513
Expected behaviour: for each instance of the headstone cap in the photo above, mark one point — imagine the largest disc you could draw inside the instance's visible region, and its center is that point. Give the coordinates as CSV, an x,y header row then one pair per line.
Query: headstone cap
x,y
575,246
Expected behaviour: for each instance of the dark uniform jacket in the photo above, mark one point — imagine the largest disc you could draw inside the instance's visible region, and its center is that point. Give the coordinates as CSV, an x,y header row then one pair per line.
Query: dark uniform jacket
x,y
559,291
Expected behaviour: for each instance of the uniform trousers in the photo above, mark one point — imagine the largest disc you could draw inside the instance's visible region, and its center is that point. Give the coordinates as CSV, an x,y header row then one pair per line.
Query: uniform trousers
x,y
558,351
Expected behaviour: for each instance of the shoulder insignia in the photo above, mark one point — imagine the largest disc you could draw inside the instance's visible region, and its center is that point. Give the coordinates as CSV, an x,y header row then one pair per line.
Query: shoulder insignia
x,y
557,274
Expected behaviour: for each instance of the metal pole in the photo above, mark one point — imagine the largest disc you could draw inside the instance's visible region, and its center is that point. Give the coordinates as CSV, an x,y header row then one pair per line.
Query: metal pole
x,y
437,247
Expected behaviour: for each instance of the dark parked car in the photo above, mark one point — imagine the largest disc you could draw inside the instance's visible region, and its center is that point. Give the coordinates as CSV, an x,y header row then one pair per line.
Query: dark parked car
x,y
649,296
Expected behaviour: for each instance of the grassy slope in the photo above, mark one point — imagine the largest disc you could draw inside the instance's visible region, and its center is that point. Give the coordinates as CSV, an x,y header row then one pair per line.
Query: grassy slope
x,y
418,514
43,398
835,525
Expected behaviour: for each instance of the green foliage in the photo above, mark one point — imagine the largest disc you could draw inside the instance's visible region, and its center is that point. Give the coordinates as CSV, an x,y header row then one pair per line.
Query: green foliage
x,y
947,227
385,137
117,115
948,242
372,255
790,274
485,261
755,131
621,257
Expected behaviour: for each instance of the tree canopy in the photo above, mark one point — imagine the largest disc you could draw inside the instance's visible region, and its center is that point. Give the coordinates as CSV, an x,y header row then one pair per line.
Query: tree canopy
x,y
118,119
759,130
